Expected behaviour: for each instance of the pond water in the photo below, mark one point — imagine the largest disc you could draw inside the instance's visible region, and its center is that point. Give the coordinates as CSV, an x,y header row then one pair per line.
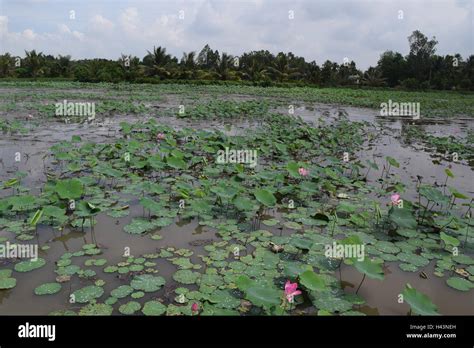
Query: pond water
x,y
108,233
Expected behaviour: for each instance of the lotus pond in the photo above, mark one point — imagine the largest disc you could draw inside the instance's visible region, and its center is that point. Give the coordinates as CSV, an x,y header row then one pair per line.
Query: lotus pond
x,y
131,213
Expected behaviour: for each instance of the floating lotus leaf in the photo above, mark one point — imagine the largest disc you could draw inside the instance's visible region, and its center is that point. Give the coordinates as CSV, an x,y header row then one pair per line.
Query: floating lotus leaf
x,y
110,269
64,262
111,300
139,226
88,293
186,276
27,266
102,309
449,240
387,247
414,259
182,263
122,291
5,273
408,267
212,310
223,299
69,189
176,163
460,284
48,289
330,303
464,259
147,282
263,296
270,222
403,218
243,203
154,308
265,197
138,294
130,308
7,283
312,281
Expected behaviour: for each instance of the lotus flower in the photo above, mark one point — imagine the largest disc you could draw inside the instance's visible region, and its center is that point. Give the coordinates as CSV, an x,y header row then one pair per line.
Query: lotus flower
x,y
290,291
195,307
303,172
395,199
160,136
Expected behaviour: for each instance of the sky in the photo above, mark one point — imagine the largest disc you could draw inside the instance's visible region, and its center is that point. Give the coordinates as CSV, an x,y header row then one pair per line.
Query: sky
x,y
315,29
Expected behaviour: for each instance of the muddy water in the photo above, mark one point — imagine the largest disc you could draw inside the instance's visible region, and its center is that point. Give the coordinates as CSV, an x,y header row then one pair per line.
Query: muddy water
x,y
381,297
108,234
413,158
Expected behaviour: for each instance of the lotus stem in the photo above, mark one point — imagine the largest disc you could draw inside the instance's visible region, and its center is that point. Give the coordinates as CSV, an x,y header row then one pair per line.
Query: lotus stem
x,y
363,278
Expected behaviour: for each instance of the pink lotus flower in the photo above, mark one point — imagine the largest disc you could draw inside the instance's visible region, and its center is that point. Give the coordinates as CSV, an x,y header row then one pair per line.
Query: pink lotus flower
x,y
395,199
160,136
195,307
303,172
290,291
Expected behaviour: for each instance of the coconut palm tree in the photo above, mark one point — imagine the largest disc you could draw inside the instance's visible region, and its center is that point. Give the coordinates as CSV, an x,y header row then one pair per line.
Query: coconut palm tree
x,y
281,69
223,69
34,63
6,65
373,78
158,63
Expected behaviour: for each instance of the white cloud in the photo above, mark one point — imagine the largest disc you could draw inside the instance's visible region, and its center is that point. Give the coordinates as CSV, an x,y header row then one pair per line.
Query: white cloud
x,y
359,30
129,20
101,24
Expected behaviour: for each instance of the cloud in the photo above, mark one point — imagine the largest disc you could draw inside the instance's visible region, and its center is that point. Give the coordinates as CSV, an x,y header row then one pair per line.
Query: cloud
x,y
320,30
101,24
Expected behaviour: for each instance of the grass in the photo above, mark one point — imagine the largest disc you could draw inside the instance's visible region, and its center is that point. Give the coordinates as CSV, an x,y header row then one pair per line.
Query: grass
x,y
443,104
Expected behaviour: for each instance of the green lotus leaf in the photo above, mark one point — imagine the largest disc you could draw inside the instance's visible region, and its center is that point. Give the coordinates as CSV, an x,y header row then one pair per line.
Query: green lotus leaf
x,y
88,293
419,302
147,282
460,284
265,197
370,268
186,276
27,266
403,218
48,289
130,308
69,189
122,291
263,296
139,226
154,308
312,281
91,309
7,283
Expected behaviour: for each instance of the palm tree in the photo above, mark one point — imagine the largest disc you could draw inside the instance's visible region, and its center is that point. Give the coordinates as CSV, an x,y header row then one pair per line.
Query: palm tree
x,y
34,63
158,62
188,65
373,78
64,65
6,65
255,71
222,70
281,69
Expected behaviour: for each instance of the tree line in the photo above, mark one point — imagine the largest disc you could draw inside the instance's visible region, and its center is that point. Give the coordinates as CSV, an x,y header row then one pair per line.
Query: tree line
x,y
422,68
